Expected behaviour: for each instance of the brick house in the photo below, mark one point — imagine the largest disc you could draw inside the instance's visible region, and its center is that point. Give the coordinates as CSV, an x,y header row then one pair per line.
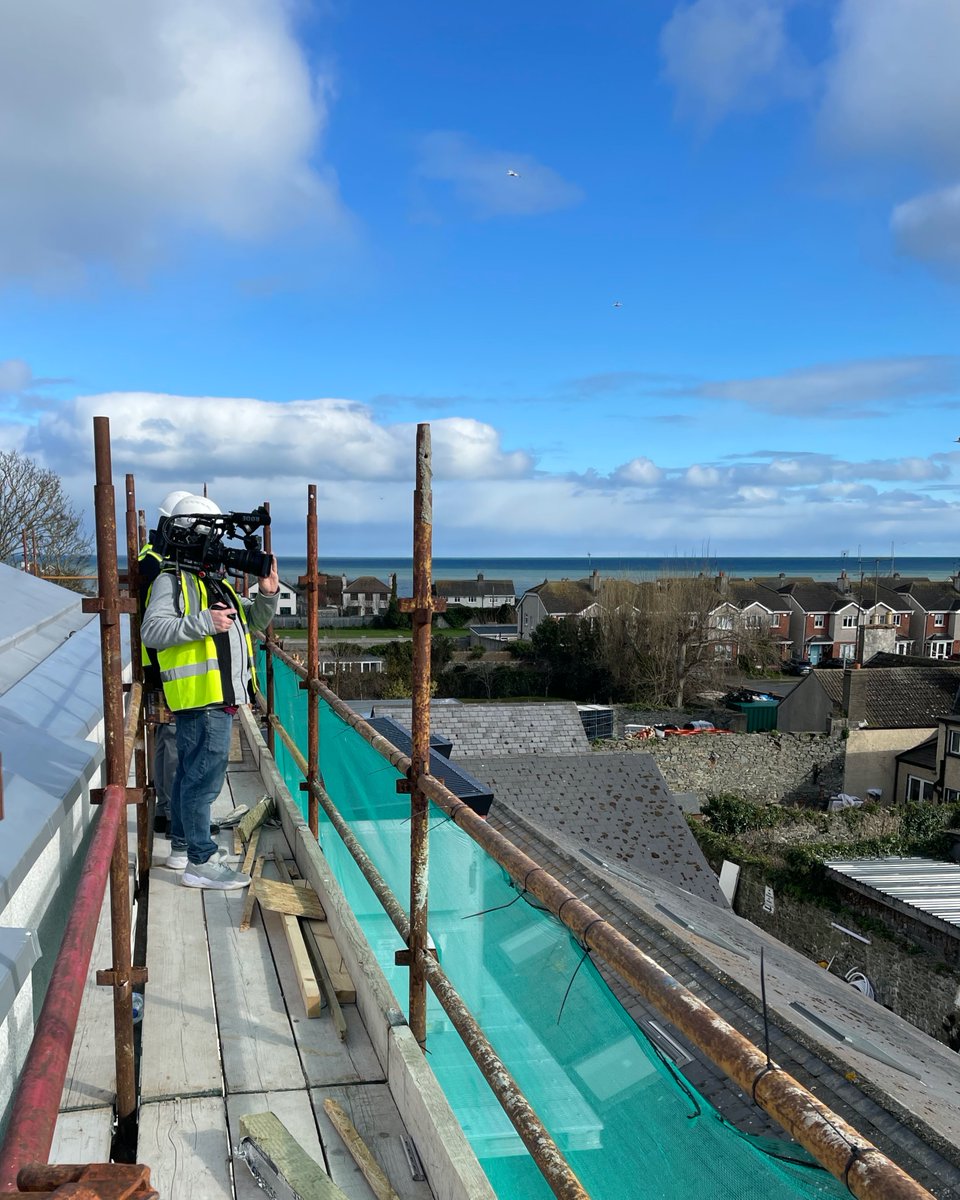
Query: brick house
x,y
365,597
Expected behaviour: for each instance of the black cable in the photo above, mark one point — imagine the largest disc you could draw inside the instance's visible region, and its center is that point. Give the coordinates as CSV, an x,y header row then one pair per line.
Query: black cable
x,y
583,959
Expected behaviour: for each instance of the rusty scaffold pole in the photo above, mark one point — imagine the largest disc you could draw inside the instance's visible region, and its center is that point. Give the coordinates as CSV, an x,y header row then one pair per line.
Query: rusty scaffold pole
x,y
312,583
144,811
421,608
109,604
269,637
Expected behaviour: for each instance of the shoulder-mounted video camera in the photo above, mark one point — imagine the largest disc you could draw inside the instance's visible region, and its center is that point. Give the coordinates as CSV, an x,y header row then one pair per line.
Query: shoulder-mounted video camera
x,y
195,540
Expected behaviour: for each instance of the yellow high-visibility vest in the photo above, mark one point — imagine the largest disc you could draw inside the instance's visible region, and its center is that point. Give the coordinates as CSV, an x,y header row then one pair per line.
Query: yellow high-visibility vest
x,y
190,672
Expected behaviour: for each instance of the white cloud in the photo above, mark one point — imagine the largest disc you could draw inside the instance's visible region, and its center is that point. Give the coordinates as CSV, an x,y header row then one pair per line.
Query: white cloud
x,y
479,178
640,472
840,389
234,443
120,124
726,56
928,227
892,87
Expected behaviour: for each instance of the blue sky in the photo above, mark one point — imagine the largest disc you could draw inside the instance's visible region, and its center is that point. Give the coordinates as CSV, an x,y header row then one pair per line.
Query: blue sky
x,y
659,275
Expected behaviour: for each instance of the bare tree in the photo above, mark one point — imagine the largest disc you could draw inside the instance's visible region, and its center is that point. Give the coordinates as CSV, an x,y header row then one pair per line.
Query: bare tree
x,y
34,510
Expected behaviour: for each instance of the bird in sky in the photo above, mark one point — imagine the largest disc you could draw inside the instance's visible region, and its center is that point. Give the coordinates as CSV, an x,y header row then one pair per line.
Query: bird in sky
x,y
513,174
619,304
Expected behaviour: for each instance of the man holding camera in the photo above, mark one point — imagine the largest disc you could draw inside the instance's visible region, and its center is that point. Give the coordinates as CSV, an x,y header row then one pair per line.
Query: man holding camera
x,y
200,629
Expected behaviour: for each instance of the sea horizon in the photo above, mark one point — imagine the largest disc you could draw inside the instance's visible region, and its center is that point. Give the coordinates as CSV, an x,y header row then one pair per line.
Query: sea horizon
x,y
527,571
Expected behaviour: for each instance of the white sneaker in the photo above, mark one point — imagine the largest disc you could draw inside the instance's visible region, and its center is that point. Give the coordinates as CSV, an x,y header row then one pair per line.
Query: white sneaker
x,y
214,874
177,860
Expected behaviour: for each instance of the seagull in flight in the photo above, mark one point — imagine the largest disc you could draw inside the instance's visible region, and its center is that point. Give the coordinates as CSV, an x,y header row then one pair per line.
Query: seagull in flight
x,y
619,304
512,173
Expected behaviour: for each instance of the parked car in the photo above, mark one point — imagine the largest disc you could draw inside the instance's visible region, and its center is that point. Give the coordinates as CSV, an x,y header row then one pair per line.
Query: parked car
x,y
832,663
797,666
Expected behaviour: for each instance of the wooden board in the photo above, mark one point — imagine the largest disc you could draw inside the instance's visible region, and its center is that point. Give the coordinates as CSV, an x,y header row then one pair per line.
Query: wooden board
x,y
83,1136
246,913
186,1145
256,1041
324,1057
260,812
293,1109
333,959
235,753
373,1173
91,1072
289,898
179,1025
304,1175
372,1111
306,979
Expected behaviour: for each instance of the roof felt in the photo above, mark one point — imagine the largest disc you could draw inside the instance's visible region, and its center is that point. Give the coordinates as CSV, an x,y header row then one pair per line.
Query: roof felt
x,y
895,697
499,730
924,755
463,785
617,805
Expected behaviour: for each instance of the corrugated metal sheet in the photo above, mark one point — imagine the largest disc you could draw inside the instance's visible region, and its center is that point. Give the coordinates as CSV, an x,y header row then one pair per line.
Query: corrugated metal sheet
x,y
923,883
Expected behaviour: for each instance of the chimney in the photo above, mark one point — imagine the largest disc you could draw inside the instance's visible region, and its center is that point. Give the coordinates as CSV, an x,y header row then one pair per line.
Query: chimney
x,y
343,583
595,581
479,577
843,583
851,694
723,581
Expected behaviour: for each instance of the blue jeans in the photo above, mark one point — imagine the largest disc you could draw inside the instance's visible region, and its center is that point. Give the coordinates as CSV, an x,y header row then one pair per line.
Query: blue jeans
x,y
203,746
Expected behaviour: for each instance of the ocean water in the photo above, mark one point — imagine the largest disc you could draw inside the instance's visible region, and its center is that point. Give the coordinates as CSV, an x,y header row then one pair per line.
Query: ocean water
x,y
526,572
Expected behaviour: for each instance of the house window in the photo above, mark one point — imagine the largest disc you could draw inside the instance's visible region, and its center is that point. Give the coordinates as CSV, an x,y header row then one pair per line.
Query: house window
x,y
939,649
919,789
939,620
896,618
953,742
849,621
951,796
818,620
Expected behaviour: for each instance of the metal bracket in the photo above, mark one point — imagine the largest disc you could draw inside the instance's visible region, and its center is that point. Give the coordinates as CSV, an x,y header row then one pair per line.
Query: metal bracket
x,y
405,787
135,795
108,977
402,958
96,604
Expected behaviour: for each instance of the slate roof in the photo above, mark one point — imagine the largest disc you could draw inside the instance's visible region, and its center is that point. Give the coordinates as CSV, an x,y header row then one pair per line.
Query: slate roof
x,y
565,597
932,595
895,697
813,597
871,593
744,592
616,805
367,584
499,730
477,587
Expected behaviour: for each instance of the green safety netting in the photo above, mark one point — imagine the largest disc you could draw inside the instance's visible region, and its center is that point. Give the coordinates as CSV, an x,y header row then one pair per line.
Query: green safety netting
x,y
622,1116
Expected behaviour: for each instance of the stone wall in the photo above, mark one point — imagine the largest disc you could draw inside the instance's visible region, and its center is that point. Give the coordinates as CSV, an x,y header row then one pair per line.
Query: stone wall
x,y
914,970
763,767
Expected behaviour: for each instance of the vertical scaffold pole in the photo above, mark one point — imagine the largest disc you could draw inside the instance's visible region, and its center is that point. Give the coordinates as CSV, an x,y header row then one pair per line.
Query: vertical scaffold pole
x,y
268,657
144,816
311,581
421,608
116,772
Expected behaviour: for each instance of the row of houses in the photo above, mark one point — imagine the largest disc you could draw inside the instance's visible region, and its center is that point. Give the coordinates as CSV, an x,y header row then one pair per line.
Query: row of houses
x,y
845,621
367,596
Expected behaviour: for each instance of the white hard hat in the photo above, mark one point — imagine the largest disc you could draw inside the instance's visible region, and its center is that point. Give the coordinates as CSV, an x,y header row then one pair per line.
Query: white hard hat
x,y
170,500
191,506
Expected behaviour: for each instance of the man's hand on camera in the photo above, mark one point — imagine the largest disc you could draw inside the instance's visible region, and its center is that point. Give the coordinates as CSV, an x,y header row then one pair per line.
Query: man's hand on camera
x,y
223,617
270,584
